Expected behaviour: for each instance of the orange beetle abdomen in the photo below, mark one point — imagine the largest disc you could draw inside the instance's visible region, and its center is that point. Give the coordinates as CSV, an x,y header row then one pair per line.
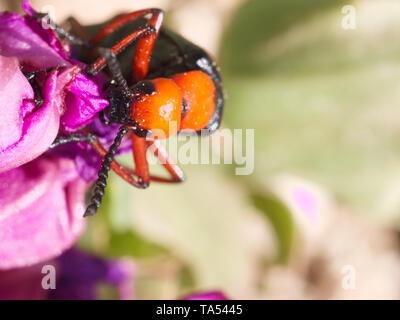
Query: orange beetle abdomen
x,y
161,110
198,91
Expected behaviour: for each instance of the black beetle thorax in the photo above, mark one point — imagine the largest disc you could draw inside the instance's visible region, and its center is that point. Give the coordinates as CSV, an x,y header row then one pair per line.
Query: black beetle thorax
x,y
119,109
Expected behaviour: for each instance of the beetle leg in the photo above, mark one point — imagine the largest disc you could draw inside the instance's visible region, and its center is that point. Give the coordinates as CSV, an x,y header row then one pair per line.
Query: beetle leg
x,y
101,62
94,142
141,173
139,149
125,173
174,170
119,22
101,182
133,177
141,62
73,137
145,47
146,35
115,69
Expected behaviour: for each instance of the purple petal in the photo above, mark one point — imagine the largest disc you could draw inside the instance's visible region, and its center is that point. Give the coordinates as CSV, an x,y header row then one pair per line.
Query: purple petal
x,y
25,133
212,295
87,161
41,208
18,39
81,273
50,36
26,6
84,101
88,164
78,275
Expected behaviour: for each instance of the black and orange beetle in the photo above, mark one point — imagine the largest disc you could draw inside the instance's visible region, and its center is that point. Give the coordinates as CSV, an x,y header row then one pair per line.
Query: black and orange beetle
x,y
161,78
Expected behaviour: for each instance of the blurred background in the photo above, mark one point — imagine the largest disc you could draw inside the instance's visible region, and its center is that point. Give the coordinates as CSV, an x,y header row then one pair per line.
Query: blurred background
x,y
319,81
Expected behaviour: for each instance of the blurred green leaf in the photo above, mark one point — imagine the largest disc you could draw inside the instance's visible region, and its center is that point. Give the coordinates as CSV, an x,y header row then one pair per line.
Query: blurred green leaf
x,y
259,21
323,100
132,244
106,292
208,224
187,280
281,220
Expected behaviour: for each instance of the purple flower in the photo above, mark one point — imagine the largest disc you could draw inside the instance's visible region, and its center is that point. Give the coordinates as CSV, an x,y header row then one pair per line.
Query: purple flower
x,y
41,208
80,273
26,39
83,100
87,161
41,193
71,99
41,196
78,276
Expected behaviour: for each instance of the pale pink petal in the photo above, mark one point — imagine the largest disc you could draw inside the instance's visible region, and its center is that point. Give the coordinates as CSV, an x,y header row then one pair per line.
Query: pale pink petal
x,y
39,129
14,88
41,209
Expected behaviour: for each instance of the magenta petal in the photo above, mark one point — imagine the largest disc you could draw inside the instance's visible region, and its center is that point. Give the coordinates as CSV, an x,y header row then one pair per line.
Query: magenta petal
x,y
211,295
39,129
47,34
41,208
18,39
84,101
26,6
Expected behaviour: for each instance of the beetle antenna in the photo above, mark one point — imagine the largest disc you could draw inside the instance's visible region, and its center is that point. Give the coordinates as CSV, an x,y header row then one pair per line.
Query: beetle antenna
x,y
115,70
101,181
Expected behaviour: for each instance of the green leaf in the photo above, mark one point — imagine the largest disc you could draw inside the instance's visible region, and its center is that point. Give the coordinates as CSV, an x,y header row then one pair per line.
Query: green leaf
x,y
259,21
281,220
323,101
132,244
